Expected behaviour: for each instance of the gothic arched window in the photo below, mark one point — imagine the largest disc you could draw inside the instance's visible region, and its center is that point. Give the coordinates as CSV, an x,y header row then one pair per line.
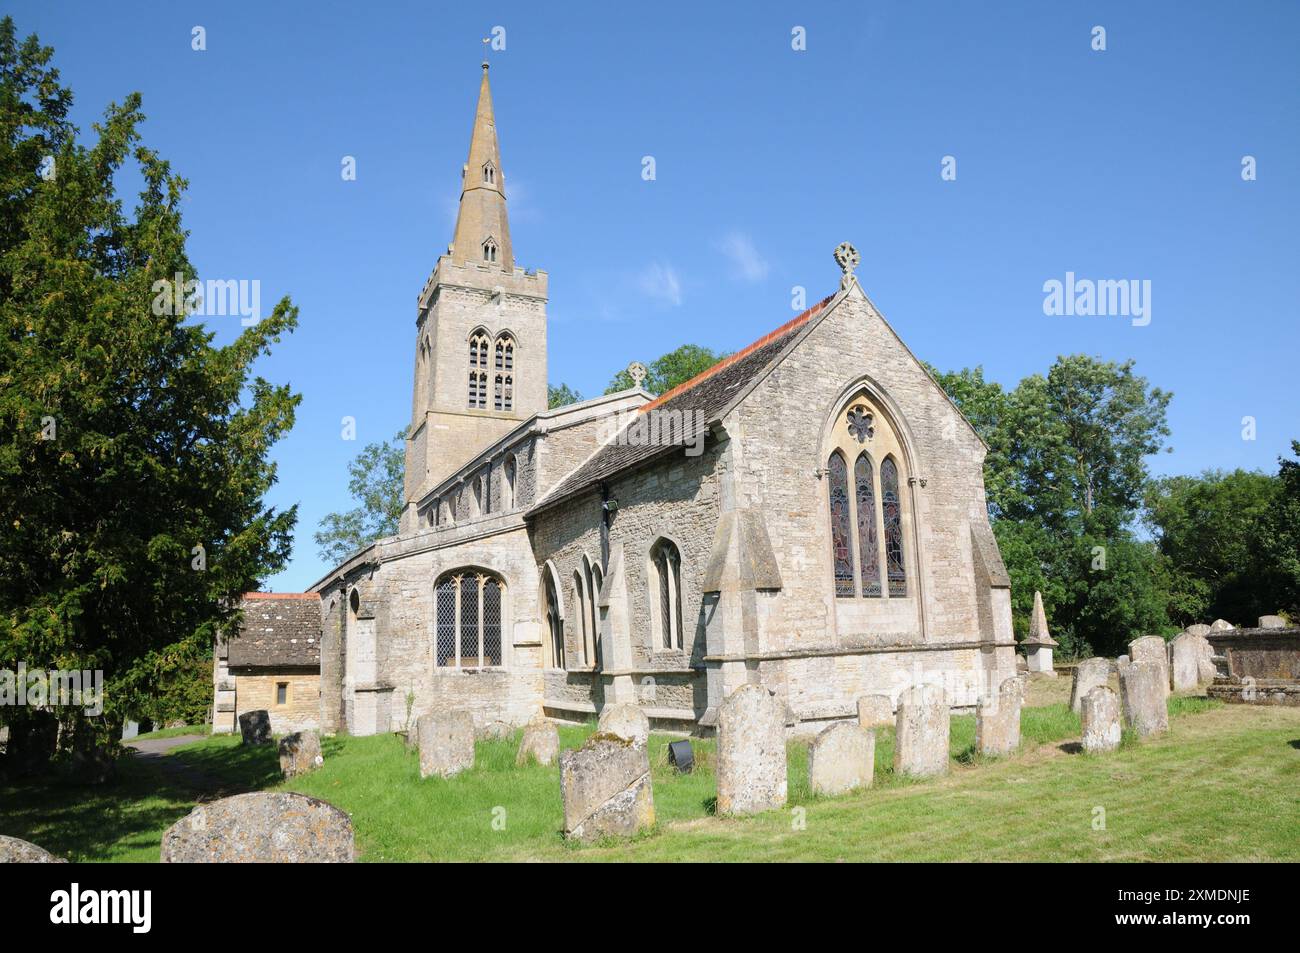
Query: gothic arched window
x,y
478,365
554,621
490,250
595,581
468,619
841,545
868,549
489,173
580,618
666,595
891,506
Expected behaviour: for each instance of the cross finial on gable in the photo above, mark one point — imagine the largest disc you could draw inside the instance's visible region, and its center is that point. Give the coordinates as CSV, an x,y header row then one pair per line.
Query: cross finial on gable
x,y
847,257
636,370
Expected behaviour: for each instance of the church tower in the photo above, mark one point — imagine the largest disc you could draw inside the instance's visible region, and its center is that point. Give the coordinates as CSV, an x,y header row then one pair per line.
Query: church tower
x,y
480,330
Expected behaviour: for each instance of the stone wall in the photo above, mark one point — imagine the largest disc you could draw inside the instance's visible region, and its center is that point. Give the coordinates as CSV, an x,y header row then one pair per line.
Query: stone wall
x,y
302,709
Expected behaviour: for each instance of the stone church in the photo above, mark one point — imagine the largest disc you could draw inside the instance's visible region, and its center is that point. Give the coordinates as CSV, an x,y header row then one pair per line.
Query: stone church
x,y
809,514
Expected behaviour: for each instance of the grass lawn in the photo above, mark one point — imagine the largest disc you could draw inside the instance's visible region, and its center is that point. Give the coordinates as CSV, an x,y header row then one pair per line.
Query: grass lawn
x,y
1222,785
174,732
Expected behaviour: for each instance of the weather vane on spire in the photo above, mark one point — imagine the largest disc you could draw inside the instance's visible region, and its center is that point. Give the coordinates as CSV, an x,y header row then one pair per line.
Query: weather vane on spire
x,y
486,41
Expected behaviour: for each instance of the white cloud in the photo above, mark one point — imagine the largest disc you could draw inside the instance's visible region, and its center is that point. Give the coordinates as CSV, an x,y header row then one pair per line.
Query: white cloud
x,y
746,263
658,280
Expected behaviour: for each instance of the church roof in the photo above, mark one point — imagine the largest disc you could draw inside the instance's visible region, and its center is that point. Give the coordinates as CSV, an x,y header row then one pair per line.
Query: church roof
x,y
708,395
279,630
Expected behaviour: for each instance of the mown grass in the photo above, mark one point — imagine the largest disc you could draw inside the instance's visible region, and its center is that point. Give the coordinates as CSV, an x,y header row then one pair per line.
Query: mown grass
x,y
172,732
1220,786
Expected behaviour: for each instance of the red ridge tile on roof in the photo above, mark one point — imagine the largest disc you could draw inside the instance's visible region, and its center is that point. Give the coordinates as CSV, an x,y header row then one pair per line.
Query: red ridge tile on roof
x,y
733,358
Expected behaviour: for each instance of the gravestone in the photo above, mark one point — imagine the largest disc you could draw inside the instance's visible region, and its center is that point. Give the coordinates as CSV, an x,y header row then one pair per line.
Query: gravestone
x,y
875,710
921,732
15,851
1088,674
1143,687
606,790
276,827
751,752
1153,649
1219,625
300,753
540,743
1186,653
446,743
255,726
1199,628
626,721
1100,714
997,721
841,758
495,731
1272,622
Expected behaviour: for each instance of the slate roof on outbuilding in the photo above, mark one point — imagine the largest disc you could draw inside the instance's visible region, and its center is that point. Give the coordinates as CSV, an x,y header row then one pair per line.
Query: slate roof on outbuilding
x,y
279,630
708,395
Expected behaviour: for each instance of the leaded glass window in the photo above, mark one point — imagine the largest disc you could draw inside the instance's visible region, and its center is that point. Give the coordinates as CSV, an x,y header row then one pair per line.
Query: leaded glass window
x,y
892,509
868,543
468,620
841,546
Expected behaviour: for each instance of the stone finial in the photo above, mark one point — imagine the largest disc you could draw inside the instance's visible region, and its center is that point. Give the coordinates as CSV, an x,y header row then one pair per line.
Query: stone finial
x,y
1038,634
847,257
636,370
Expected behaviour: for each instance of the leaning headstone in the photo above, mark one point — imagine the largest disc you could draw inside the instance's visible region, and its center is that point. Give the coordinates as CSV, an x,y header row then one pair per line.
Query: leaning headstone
x,y
446,743
605,786
1142,687
921,732
997,721
1100,714
1186,652
277,827
875,711
1219,625
15,851
751,752
625,720
841,759
255,726
1272,622
540,743
300,753
1088,674
1154,649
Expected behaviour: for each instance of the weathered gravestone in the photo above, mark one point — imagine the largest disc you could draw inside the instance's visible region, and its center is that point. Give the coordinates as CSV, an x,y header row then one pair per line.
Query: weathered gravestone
x,y
1153,649
277,827
605,786
1272,622
446,743
997,721
300,753
751,752
921,732
626,721
1088,674
1100,714
15,851
875,711
1143,689
495,731
540,743
255,727
1199,628
841,758
1186,653
1220,625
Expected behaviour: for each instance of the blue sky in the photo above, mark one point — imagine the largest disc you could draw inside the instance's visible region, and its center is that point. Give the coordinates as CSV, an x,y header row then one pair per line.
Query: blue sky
x,y
1113,165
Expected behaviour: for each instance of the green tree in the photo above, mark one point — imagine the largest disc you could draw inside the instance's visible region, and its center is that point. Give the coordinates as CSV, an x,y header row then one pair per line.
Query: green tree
x,y
376,478
1208,530
133,452
1065,475
1281,536
561,396
669,370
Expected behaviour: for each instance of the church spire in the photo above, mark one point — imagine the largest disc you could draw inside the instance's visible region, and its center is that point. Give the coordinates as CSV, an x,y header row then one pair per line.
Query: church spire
x,y
482,228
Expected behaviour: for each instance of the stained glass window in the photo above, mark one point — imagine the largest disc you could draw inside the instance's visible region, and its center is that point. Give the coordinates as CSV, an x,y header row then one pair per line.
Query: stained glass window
x,y
892,506
868,544
841,546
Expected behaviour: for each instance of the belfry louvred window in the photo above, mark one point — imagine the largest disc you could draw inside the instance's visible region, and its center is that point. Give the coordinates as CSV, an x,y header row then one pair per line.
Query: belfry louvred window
x,y
468,619
478,364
